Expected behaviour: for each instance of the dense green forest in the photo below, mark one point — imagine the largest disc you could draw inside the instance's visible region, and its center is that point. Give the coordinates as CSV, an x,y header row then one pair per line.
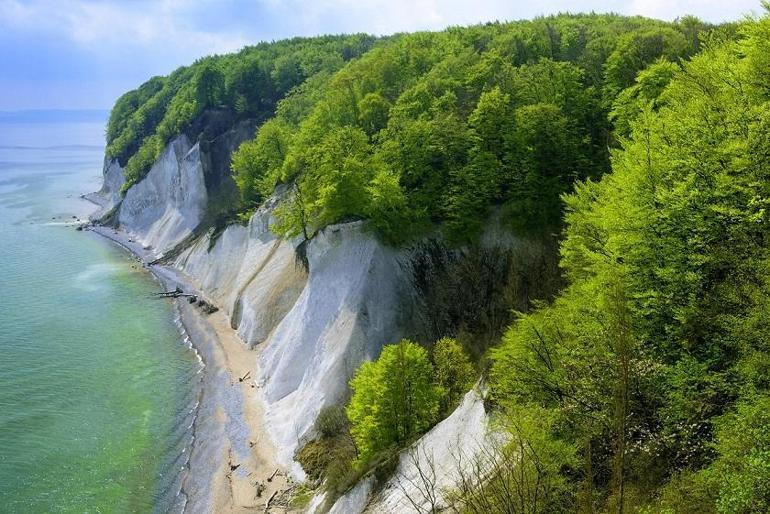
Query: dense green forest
x,y
432,129
415,130
653,364
643,386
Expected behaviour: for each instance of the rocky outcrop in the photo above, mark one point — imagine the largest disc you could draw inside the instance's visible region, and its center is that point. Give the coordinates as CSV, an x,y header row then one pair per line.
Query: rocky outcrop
x,y
249,272
431,468
187,189
358,297
355,500
108,197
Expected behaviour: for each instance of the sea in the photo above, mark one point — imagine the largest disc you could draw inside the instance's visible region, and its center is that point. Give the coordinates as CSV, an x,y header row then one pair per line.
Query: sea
x,y
98,383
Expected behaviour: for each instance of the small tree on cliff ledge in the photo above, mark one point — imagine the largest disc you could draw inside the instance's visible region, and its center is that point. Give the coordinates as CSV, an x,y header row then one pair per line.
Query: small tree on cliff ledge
x,y
394,399
454,372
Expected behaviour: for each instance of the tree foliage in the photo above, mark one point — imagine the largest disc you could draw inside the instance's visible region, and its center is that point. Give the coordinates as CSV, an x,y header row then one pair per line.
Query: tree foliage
x,y
454,372
394,399
654,357
502,115
397,397
523,475
442,127
256,164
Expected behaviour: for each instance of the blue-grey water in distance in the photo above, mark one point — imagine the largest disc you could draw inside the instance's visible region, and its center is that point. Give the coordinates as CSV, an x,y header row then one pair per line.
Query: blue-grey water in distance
x,y
96,382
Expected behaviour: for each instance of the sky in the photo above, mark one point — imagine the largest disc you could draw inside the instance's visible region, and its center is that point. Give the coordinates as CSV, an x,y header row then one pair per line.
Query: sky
x,y
82,54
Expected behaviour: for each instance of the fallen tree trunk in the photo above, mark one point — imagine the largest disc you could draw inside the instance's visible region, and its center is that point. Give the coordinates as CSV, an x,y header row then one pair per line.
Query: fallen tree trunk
x,y
270,500
176,293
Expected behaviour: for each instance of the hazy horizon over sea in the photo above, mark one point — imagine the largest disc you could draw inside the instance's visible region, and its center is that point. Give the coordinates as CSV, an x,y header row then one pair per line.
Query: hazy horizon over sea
x,y
96,384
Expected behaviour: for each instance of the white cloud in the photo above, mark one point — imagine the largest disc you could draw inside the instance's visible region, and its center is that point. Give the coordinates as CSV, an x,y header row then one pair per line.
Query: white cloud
x,y
711,10
388,16
107,24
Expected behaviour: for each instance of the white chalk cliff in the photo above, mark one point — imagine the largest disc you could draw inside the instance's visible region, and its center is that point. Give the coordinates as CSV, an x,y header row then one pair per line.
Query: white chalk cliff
x,y
169,203
316,326
316,320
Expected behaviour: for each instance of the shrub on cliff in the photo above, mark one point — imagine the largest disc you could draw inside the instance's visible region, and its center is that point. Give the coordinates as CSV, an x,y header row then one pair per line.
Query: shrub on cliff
x,y
256,164
331,454
454,372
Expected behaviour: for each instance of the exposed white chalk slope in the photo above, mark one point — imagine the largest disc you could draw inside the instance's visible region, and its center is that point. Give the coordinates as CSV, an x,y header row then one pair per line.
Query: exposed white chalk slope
x,y
358,297
316,327
169,203
452,442
248,272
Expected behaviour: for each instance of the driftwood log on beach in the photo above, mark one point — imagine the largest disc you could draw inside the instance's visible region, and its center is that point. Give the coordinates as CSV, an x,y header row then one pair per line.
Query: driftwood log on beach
x,y
176,293
269,501
204,306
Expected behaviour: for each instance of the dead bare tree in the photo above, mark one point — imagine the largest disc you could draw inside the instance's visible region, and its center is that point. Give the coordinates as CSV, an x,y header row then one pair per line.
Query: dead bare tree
x,y
421,487
501,476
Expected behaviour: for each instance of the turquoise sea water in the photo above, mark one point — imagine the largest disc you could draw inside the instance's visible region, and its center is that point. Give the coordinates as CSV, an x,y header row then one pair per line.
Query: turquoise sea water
x,y
96,383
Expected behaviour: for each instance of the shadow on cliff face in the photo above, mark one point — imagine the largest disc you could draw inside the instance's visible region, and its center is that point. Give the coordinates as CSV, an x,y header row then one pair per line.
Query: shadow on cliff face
x,y
219,133
472,293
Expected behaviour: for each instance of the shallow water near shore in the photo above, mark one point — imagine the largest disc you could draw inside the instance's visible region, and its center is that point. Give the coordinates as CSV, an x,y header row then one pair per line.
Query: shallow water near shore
x,y
96,382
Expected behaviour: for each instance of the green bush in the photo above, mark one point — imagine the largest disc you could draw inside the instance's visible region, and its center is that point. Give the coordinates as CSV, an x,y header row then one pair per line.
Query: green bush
x,y
454,372
743,465
327,457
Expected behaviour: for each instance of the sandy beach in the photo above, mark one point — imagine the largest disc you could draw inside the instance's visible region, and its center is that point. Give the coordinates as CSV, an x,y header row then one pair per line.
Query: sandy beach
x,y
231,467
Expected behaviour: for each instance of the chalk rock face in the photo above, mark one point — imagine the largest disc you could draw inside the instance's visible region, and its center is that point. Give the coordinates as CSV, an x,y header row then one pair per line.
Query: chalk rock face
x,y
355,500
169,203
316,504
109,195
358,297
456,440
317,326
249,272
